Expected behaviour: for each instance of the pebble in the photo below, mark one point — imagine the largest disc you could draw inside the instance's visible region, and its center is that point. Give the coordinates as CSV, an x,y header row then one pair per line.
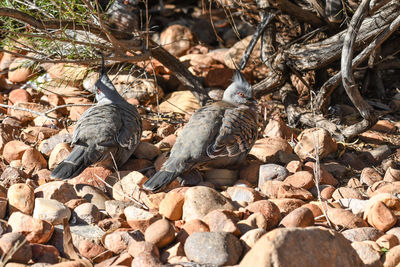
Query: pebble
x,y
367,253
255,221
195,207
362,234
301,179
86,213
344,218
51,210
161,233
306,145
250,238
34,230
21,198
268,209
92,195
171,206
214,248
9,241
271,172
302,247
267,149
191,227
139,219
222,221
241,193
118,241
300,217
58,190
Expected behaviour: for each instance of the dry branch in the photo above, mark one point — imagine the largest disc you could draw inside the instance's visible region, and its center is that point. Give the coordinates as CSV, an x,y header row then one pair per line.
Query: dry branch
x,y
349,84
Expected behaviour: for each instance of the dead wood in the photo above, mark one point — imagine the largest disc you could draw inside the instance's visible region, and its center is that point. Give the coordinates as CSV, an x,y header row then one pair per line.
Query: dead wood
x,y
349,84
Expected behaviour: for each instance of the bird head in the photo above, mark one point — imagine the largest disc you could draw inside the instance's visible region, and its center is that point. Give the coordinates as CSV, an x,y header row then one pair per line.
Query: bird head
x,y
104,88
239,92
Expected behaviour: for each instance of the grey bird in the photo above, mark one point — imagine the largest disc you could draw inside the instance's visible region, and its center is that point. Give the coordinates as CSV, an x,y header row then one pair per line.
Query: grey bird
x,y
217,135
108,131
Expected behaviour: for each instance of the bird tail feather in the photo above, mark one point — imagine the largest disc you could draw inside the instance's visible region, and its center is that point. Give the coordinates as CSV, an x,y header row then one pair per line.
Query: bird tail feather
x,y
73,165
160,180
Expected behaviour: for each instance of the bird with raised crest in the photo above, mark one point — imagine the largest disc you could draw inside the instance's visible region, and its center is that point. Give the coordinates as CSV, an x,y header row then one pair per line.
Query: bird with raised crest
x,y
218,135
106,133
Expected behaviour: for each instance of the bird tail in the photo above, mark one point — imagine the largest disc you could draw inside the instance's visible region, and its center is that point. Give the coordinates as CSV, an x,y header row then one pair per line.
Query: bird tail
x,y
160,180
76,162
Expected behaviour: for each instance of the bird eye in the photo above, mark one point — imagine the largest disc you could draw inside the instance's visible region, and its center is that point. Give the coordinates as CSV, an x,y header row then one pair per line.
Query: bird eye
x,y
241,94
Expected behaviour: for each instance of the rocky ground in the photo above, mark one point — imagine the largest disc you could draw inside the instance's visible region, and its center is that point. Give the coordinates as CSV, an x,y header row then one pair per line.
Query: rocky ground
x,y
283,207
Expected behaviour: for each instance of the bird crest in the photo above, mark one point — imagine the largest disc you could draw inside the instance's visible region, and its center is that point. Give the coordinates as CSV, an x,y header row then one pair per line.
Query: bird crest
x,y
104,88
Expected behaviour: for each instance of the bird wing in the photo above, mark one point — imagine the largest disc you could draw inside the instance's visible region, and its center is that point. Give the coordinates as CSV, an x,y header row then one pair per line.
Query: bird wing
x,y
99,125
237,133
131,130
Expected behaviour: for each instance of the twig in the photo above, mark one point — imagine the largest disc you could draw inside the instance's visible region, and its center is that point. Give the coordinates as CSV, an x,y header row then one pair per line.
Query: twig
x,y
45,114
260,29
142,205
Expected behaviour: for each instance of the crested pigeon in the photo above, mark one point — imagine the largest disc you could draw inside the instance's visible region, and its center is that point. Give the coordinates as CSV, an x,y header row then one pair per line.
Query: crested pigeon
x,y
217,135
107,132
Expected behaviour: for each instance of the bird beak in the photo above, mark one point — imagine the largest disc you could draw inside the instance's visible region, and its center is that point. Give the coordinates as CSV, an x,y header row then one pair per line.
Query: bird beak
x,y
253,101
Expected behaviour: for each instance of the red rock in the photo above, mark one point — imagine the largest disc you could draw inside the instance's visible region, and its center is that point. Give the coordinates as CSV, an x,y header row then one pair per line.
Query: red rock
x,y
191,227
369,176
392,175
381,217
325,176
90,176
294,166
327,192
161,233
306,144
119,240
266,149
19,95
315,209
26,116
276,127
287,205
303,179
14,150
145,254
222,221
76,111
345,192
58,190
250,172
93,251
58,154
218,75
384,126
387,241
21,198
33,161
124,259
34,230
171,206
300,217
177,39
345,218
255,221
241,193
45,253
8,243
268,209
140,219
392,257
19,70
153,201
165,129
277,189
172,252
